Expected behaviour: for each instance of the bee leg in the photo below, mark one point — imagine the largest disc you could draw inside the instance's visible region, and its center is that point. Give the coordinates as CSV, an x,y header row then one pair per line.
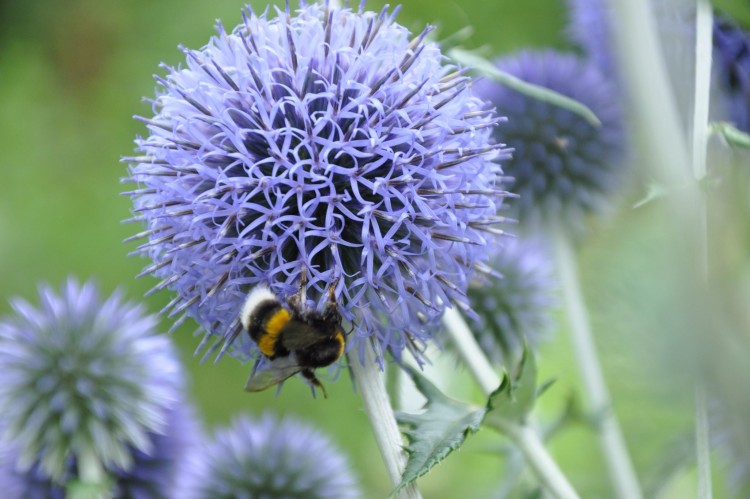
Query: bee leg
x,y
332,294
310,376
299,299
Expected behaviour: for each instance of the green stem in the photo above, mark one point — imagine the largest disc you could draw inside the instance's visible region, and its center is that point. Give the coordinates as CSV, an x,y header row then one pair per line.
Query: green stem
x,y
703,53
703,449
524,436
92,478
615,452
368,379
537,457
470,352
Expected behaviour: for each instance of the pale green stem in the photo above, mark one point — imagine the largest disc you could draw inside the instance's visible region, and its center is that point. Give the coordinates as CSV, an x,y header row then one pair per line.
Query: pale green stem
x,y
524,436
613,446
92,477
703,450
703,55
537,457
469,350
368,379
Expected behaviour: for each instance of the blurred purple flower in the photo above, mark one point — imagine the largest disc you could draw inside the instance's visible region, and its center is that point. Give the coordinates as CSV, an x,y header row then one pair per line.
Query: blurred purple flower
x,y
732,70
271,458
86,375
590,27
326,141
516,309
159,473
564,167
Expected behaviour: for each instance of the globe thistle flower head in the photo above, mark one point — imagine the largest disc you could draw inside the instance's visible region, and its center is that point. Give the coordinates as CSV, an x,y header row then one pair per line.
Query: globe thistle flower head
x,y
732,70
564,167
590,29
326,141
160,471
82,375
155,474
516,309
271,458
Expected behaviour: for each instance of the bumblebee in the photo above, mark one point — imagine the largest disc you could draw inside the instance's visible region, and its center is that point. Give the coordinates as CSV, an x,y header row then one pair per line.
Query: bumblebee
x,y
293,338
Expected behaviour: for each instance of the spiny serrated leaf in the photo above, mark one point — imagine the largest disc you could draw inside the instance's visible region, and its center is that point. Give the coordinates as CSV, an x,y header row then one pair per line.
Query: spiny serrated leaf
x,y
437,432
485,67
515,397
733,136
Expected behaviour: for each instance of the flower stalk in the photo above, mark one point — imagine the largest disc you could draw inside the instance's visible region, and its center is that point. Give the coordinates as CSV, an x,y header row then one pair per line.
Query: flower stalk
x,y
368,378
522,434
618,462
703,54
93,478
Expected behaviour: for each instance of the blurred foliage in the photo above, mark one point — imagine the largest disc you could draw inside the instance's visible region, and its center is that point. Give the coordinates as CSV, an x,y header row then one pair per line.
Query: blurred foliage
x,y
73,73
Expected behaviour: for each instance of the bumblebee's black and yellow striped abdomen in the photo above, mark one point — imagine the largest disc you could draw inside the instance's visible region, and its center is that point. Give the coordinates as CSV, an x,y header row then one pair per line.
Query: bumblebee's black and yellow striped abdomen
x,y
315,338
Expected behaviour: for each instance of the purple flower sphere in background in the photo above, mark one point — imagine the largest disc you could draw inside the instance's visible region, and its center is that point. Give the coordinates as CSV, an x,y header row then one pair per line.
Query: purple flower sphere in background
x,y
591,28
564,167
732,70
87,376
516,309
326,141
159,473
271,458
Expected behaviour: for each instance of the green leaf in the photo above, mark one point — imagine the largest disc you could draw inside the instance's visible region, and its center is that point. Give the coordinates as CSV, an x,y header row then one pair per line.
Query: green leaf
x,y
486,68
515,397
437,432
733,136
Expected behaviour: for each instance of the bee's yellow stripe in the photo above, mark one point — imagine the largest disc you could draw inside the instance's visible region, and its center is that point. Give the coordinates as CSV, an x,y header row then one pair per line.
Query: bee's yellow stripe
x,y
340,339
271,331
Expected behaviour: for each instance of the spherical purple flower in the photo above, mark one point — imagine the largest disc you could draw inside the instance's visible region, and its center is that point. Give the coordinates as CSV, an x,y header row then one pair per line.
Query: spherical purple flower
x,y
328,142
272,458
732,70
563,166
83,376
159,473
590,28
516,309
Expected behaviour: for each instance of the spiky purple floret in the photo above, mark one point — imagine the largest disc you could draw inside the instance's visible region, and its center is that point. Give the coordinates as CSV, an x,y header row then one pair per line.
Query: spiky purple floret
x,y
563,166
81,374
732,70
516,309
326,141
268,457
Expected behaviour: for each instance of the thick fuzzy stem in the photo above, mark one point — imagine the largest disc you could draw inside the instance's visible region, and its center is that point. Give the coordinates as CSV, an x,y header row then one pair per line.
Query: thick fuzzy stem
x,y
368,379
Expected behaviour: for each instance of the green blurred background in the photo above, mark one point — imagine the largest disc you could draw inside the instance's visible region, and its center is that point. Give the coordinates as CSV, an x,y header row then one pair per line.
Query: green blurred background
x,y
72,74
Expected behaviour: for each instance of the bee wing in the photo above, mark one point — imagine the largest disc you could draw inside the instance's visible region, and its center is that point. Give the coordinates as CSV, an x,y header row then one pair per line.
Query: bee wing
x,y
302,337
272,374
